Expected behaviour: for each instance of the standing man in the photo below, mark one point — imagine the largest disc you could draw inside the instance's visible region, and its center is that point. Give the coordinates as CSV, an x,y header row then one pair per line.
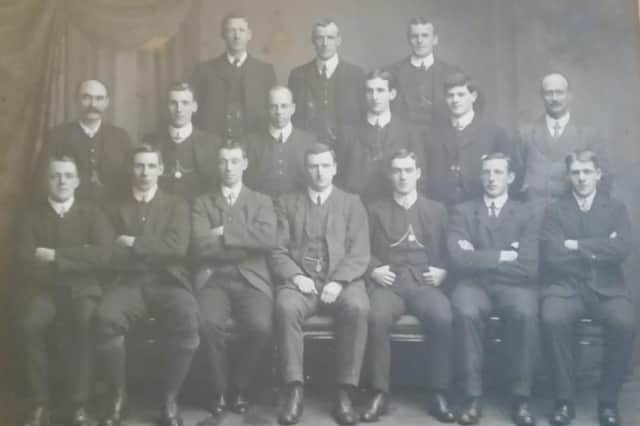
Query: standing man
x,y
234,229
421,77
453,149
64,247
407,269
232,88
100,148
276,154
320,259
585,238
327,90
149,254
188,153
493,244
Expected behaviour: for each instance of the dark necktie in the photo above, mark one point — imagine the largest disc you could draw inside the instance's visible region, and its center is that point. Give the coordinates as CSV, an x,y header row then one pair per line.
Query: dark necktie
x,y
319,200
325,72
493,210
556,130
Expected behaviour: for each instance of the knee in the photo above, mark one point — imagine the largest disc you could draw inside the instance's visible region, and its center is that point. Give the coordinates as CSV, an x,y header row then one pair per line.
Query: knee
x,y
556,318
357,309
527,313
620,322
380,319
467,311
108,322
187,321
213,326
287,310
260,328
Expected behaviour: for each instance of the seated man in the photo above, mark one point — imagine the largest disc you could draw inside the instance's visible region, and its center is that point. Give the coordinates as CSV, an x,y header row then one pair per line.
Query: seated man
x,y
585,238
493,243
408,265
321,255
149,255
234,228
64,244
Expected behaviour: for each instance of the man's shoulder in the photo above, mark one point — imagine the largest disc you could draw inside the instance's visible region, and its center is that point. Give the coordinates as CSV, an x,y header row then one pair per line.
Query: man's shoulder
x,y
255,197
253,61
425,203
350,68
300,70
302,137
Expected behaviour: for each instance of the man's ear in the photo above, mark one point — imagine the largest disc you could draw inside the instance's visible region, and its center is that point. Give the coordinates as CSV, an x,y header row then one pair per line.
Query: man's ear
x,y
511,177
392,94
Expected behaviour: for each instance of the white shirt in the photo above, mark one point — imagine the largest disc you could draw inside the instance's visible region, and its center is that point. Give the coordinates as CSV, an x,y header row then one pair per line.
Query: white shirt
x,y
499,202
462,122
323,195
406,201
145,197
285,132
331,64
61,208
425,62
231,193
180,134
241,59
90,131
584,203
561,123
379,120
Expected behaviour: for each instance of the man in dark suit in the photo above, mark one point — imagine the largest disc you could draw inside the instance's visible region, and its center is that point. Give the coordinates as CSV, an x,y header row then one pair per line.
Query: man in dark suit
x,y
188,153
493,244
408,266
321,256
153,231
234,229
585,237
421,77
453,149
63,249
364,149
232,88
100,148
328,91
276,153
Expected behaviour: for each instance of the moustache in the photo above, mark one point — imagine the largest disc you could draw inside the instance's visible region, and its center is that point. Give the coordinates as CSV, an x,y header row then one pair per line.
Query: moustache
x,y
92,109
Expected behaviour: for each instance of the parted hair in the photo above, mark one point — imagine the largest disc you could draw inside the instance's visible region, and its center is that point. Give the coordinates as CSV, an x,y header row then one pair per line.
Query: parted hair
x,y
583,156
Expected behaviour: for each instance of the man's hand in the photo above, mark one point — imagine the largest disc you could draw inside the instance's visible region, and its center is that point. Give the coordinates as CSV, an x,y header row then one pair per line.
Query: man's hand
x,y
613,235
330,292
125,240
515,245
508,256
45,255
304,284
466,245
218,231
383,276
571,244
434,276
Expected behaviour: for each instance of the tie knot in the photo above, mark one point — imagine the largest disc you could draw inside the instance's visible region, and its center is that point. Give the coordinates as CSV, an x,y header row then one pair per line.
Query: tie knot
x,y
281,138
556,129
493,209
319,200
325,71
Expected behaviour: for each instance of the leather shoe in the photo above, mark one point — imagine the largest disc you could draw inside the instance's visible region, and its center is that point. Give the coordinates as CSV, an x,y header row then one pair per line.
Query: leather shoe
x,y
608,415
378,406
240,403
343,411
471,412
219,404
39,416
294,405
115,412
563,414
79,417
521,414
171,414
439,408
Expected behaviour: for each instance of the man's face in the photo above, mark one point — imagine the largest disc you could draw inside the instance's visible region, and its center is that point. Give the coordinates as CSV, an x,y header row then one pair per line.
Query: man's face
x,y
326,41
460,100
556,95
236,35
62,180
422,39
231,165
379,96
404,175
147,168
496,177
281,108
584,177
321,168
182,105
93,100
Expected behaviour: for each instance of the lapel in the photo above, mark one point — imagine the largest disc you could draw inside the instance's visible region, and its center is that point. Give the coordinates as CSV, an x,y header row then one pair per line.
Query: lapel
x,y
252,82
334,205
300,214
403,71
466,137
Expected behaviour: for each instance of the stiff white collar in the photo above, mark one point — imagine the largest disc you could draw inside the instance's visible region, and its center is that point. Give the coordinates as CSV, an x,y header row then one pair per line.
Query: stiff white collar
x,y
331,64
379,120
560,123
422,63
180,134
281,135
231,193
145,196
406,201
463,121
61,207
499,202
584,203
90,130
313,195
238,62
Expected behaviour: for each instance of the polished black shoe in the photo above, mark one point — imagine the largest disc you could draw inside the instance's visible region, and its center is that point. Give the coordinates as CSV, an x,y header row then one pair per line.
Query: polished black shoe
x,y
608,415
115,411
171,414
563,414
79,417
470,413
378,406
240,404
521,414
439,408
39,416
343,411
219,404
294,405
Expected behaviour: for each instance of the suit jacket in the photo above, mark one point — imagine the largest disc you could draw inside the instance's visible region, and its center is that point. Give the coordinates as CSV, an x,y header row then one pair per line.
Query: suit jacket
x,y
347,237
604,241
249,236
349,93
471,222
209,84
82,241
161,247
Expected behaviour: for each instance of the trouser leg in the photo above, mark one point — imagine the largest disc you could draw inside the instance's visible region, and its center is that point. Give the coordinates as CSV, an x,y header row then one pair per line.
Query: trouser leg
x,y
83,310
215,311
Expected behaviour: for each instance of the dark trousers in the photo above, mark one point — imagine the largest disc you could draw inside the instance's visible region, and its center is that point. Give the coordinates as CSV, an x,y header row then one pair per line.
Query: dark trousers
x,y
252,312
559,319
350,311
518,306
432,308
176,311
73,318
